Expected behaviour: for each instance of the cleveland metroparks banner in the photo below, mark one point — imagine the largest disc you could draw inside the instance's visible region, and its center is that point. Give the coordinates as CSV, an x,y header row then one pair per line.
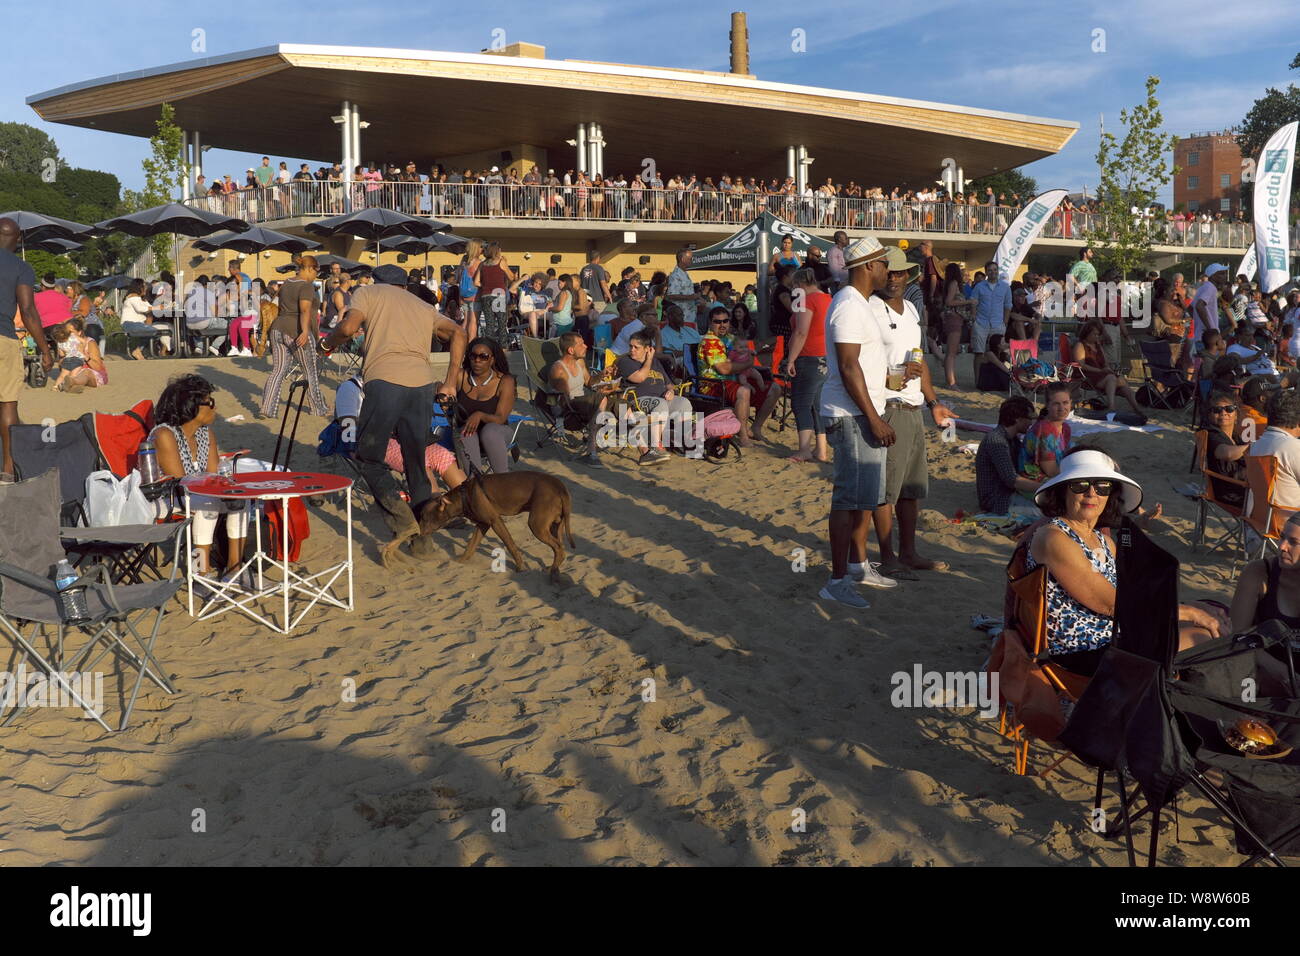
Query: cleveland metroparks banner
x,y
1273,206
1024,229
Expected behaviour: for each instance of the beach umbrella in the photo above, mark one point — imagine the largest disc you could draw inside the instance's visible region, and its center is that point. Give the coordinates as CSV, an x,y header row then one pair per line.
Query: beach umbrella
x,y
34,227
327,260
110,282
445,241
172,218
54,245
375,224
256,239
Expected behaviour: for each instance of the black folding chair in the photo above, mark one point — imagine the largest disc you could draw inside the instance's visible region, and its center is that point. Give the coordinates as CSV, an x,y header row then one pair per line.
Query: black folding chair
x,y
69,449
33,618
1164,384
299,386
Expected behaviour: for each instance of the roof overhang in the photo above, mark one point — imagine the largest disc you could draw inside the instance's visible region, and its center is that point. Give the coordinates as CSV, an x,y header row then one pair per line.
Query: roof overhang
x,y
427,105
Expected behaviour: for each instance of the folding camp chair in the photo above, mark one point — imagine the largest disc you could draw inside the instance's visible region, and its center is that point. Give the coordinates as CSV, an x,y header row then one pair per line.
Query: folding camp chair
x,y
30,605
540,355
1261,515
784,410
1165,384
1210,506
300,386
69,449
1158,716
1031,685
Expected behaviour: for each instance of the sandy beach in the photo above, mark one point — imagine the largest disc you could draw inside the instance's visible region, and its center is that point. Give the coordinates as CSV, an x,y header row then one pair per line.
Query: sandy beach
x,y
479,692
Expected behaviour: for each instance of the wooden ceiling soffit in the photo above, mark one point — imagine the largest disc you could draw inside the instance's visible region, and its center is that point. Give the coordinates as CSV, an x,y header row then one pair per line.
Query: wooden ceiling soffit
x,y
153,91
944,122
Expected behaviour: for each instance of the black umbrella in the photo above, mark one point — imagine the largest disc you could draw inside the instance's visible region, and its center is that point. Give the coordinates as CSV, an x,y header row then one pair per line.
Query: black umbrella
x,y
172,218
374,224
54,245
110,282
33,227
256,239
445,241
325,261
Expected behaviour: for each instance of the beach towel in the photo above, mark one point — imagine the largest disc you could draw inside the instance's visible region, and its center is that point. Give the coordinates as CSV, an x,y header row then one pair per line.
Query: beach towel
x,y
299,528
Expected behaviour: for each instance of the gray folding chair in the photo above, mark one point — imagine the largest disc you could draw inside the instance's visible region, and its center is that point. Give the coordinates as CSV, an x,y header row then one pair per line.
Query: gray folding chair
x,y
32,616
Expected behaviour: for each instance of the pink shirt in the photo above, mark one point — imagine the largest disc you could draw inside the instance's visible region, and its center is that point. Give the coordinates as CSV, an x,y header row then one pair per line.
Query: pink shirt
x,y
54,307
373,179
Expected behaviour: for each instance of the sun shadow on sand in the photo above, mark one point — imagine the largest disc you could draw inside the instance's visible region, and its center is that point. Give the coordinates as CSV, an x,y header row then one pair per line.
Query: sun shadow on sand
x,y
269,801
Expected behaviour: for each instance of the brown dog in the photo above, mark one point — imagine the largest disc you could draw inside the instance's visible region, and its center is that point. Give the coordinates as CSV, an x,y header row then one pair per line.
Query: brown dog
x,y
487,499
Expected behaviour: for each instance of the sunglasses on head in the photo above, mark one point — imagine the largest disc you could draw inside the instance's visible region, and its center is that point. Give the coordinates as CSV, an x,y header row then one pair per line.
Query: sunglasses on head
x,y
208,403
1223,409
1103,486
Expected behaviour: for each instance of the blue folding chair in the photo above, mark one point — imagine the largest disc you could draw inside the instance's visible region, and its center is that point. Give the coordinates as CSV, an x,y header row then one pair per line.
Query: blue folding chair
x,y
602,338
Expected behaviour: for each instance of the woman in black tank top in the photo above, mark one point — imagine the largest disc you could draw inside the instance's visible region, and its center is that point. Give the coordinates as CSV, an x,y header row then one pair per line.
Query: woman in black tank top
x,y
1269,590
485,397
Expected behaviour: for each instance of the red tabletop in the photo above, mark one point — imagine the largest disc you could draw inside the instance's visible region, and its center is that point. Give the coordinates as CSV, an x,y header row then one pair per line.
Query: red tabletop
x,y
265,484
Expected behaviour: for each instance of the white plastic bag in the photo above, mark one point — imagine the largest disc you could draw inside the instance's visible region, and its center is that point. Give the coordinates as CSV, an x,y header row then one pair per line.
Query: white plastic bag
x,y
115,501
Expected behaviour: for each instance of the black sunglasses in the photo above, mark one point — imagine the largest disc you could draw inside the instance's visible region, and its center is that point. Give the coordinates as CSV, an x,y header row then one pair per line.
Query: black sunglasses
x,y
1103,486
480,355
1223,409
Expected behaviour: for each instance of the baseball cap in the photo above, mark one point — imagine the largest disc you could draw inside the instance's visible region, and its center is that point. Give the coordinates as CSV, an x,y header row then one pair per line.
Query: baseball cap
x,y
390,275
1214,269
864,250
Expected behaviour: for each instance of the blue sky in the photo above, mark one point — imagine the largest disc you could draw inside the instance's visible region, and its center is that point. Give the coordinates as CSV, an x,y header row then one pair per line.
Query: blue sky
x,y
1025,56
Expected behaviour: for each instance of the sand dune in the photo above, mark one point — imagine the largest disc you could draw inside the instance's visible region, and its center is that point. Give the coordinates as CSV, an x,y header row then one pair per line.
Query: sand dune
x,y
485,697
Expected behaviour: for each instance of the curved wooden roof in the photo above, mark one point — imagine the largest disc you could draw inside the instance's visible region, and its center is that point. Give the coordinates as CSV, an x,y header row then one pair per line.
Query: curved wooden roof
x,y
424,105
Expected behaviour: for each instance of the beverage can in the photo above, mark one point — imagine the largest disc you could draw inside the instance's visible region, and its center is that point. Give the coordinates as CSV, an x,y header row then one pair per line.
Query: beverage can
x,y
915,355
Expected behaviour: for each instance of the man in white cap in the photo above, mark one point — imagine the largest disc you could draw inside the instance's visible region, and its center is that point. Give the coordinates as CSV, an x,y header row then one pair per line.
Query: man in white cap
x,y
853,406
494,180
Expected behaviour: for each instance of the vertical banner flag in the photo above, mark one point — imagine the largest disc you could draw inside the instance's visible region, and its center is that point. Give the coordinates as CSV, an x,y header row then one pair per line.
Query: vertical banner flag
x,y
1024,229
1247,267
1273,207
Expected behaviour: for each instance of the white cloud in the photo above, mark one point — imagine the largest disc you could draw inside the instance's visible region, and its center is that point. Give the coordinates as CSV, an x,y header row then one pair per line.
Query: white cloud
x,y
1194,28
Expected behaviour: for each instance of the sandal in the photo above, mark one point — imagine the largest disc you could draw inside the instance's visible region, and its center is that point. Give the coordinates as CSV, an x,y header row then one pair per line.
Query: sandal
x,y
925,564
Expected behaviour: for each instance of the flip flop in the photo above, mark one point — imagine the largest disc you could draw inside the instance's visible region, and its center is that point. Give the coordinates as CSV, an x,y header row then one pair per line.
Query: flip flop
x,y
798,459
925,564
900,572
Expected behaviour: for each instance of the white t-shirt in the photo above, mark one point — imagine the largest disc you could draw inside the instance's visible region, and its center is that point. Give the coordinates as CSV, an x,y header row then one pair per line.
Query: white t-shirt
x,y
347,400
898,342
136,309
1286,487
623,344
1261,366
852,319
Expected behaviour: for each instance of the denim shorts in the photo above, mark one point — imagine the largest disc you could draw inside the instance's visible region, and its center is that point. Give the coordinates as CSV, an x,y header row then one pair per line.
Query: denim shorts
x,y
859,470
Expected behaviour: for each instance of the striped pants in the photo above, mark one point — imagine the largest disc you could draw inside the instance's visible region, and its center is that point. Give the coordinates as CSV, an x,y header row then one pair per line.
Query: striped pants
x,y
284,356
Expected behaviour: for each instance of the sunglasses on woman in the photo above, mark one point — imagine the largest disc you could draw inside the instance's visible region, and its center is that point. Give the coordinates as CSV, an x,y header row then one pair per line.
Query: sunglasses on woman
x,y
1223,409
1103,486
485,356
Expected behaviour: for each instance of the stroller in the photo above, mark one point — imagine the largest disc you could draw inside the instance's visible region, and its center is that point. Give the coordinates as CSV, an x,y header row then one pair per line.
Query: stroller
x,y
1172,720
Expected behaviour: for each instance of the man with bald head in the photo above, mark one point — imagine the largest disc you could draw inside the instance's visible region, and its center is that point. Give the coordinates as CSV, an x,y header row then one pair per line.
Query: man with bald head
x,y
17,290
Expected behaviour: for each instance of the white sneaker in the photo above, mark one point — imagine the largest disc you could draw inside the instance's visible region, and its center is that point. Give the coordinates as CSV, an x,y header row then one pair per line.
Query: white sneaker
x,y
844,592
245,353
871,577
213,350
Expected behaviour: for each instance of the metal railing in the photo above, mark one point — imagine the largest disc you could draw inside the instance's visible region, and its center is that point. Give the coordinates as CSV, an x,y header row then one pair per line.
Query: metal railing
x,y
632,204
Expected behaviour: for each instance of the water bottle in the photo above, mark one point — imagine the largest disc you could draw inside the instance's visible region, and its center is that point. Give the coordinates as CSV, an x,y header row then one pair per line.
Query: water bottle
x,y
73,600
147,463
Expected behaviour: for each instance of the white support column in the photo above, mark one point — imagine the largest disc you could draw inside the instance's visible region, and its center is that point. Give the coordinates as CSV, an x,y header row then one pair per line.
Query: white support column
x,y
801,170
187,187
581,148
790,160
356,136
593,149
961,180
345,133
196,144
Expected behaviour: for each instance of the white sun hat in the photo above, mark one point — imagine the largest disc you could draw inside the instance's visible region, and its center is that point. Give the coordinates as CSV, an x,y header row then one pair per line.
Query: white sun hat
x,y
864,250
1094,465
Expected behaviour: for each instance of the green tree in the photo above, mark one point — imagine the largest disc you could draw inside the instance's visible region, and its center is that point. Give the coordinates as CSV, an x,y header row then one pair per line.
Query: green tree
x,y
164,173
1274,109
1007,183
1133,170
24,149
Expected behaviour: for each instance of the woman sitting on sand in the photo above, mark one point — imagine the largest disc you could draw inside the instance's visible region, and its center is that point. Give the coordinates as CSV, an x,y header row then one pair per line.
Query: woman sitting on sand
x,y
1225,453
186,446
1048,441
1088,496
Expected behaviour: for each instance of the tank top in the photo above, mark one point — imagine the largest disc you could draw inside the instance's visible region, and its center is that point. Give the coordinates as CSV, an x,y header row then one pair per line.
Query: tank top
x,y
779,323
815,345
74,347
792,261
468,406
332,311
575,380
492,277
564,316
1267,609
193,464
1071,627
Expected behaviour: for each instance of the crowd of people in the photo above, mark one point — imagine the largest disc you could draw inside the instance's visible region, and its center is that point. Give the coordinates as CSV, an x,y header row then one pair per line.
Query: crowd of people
x,y
270,192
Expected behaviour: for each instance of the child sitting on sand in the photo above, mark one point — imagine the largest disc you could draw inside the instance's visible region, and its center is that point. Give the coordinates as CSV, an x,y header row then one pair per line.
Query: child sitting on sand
x,y
1048,440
